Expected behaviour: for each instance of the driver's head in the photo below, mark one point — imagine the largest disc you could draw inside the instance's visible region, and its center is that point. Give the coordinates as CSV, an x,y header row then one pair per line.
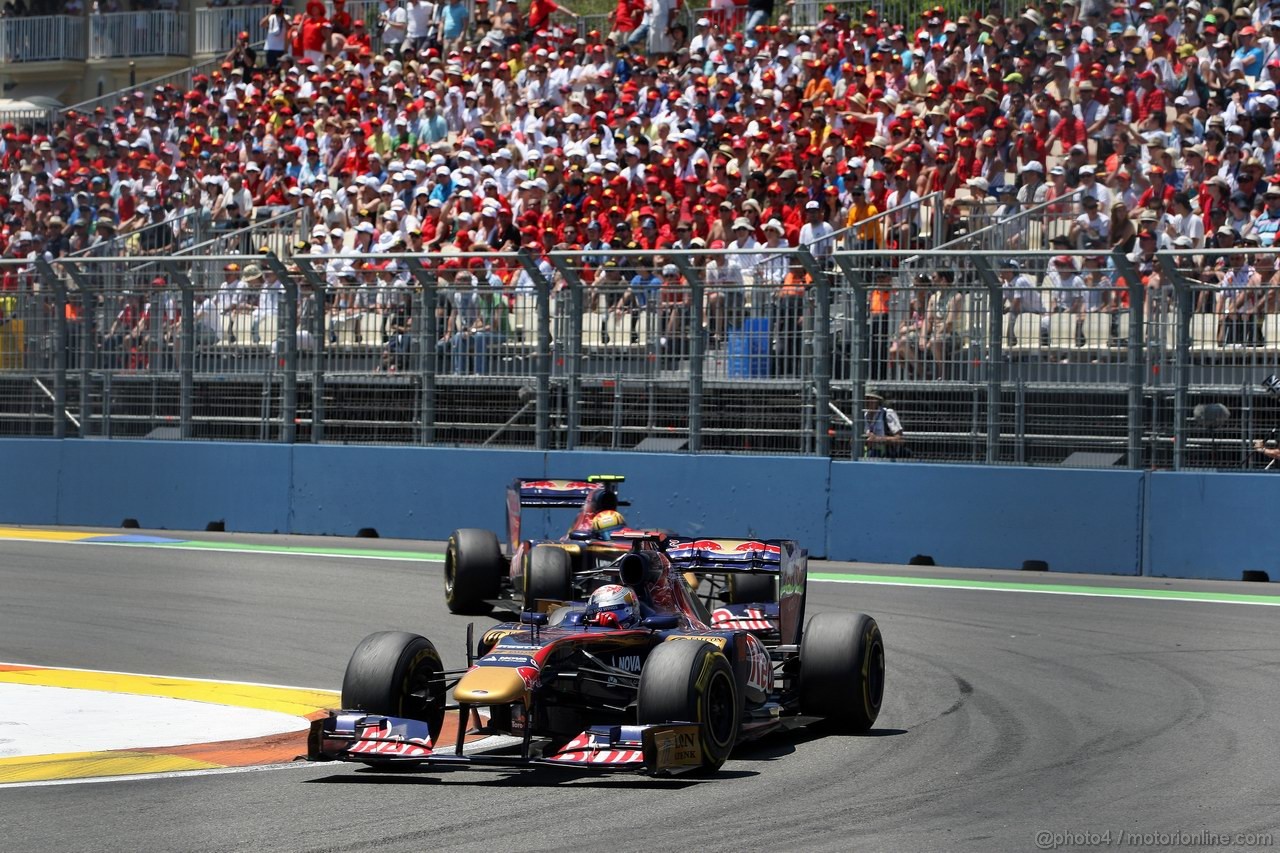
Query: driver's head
x,y
606,523
613,606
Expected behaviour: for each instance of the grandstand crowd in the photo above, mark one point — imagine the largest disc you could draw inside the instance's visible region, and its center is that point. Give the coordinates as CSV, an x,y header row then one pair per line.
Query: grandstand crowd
x,y
1156,126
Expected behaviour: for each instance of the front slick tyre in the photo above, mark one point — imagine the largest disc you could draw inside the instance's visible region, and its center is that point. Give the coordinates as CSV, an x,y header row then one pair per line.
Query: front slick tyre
x,y
396,674
691,681
842,670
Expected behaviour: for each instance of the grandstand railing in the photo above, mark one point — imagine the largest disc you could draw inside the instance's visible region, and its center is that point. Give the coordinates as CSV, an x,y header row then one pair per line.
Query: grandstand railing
x,y
43,38
217,28
190,228
1143,363
367,11
129,34
988,227
178,79
805,14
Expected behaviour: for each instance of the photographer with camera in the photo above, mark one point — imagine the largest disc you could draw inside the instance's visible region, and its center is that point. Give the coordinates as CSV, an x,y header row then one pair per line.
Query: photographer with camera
x,y
1269,448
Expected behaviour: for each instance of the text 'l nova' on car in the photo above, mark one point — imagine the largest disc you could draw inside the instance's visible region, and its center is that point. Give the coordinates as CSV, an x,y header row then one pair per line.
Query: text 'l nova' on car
x,y
636,676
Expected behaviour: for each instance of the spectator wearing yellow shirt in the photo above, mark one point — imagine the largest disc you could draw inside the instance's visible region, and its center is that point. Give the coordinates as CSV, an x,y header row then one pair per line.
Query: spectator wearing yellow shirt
x,y
867,236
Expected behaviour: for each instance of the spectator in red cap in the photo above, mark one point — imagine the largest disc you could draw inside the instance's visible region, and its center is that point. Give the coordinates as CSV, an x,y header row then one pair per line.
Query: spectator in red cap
x,y
242,54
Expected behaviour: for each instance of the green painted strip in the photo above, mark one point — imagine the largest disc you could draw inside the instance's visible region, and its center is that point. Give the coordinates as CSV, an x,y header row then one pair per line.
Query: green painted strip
x,y
1053,588
421,556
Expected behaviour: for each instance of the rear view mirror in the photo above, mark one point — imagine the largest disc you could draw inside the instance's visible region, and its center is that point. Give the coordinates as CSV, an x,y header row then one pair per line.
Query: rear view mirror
x,y
661,622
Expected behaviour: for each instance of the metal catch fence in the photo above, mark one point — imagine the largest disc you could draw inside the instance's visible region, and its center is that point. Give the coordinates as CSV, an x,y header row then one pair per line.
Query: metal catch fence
x,y
1162,360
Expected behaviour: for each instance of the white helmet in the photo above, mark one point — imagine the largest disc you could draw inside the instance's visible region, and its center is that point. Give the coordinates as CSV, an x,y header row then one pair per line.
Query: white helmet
x,y
614,606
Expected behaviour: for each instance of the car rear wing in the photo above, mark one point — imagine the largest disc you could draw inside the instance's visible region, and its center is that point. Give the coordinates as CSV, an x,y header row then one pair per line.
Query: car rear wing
x,y
727,555
546,493
783,557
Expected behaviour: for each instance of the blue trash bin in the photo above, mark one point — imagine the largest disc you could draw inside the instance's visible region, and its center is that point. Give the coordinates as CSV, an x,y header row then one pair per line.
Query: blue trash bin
x,y
748,349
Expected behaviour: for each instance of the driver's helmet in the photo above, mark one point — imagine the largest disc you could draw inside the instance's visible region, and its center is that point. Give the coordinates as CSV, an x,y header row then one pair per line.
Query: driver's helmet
x,y
613,606
607,522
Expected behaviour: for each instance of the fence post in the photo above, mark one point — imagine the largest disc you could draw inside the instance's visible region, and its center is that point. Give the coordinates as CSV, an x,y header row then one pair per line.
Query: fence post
x,y
939,223
427,336
317,344
60,347
859,345
542,400
88,341
1137,335
995,348
187,354
821,351
287,339
573,352
697,349
1184,299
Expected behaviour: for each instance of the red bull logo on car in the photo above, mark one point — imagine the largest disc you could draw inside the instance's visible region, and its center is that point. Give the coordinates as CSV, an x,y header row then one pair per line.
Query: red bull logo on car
x,y
759,547
556,485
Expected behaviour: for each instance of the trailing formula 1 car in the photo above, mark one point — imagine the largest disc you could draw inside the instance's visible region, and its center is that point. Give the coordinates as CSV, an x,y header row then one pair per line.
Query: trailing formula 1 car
x,y
634,677
479,575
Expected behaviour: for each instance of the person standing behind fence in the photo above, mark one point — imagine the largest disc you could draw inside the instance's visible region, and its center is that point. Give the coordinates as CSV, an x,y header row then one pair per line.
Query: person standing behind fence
x,y
395,26
276,26
453,24
422,24
758,14
314,32
884,437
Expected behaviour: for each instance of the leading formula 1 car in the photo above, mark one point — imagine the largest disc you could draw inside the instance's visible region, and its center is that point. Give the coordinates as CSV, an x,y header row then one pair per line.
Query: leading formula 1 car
x,y
479,575
666,694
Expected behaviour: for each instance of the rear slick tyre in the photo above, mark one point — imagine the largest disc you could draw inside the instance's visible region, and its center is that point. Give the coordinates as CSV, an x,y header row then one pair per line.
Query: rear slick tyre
x,y
690,681
473,570
548,575
842,670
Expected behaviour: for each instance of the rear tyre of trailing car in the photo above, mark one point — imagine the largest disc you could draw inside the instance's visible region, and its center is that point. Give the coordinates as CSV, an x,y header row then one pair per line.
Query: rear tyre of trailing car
x,y
473,570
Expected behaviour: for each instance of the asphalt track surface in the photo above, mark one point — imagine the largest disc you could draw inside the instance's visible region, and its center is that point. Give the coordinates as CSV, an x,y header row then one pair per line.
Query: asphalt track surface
x,y
1006,714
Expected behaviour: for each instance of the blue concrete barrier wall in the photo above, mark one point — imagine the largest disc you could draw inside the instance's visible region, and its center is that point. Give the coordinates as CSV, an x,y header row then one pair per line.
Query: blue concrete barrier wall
x,y
973,516
1117,522
175,485
403,492
31,469
1211,525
